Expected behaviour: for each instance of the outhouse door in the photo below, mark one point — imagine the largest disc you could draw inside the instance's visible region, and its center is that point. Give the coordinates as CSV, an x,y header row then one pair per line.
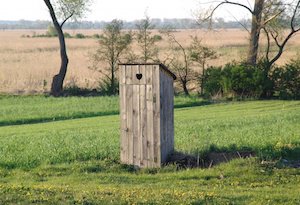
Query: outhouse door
x,y
139,102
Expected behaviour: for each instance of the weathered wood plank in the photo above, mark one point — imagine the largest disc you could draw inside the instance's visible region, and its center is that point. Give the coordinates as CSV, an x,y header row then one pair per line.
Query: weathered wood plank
x,y
136,125
149,105
149,76
124,141
168,120
122,74
129,113
156,115
135,70
128,75
172,115
147,115
162,114
142,70
143,122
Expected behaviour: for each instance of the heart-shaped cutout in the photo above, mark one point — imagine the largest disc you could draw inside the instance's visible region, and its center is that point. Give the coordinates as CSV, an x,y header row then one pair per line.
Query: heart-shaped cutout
x,y
139,76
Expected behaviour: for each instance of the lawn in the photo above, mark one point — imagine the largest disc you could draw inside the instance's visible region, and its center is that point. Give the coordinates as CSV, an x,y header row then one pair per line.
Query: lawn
x,y
75,159
16,110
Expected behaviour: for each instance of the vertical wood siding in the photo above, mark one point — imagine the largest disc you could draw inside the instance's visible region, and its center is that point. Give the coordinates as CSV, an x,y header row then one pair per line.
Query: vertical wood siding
x,y
147,119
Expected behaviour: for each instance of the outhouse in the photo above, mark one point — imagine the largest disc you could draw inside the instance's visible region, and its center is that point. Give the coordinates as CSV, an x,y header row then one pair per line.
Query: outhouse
x,y
147,114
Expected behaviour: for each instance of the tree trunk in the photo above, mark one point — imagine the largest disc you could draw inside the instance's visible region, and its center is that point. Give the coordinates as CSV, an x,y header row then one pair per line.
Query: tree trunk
x,y
202,79
255,32
113,86
58,80
185,89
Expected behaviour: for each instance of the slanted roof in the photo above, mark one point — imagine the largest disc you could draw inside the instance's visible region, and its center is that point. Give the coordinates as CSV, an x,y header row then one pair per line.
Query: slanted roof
x,y
165,68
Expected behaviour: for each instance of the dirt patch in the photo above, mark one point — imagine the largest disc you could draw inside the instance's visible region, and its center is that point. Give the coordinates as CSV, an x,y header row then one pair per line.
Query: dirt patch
x,y
217,158
214,158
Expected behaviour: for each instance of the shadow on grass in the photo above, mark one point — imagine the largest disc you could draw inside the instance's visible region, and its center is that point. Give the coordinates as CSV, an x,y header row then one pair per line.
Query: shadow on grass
x,y
284,156
193,104
86,115
183,160
57,118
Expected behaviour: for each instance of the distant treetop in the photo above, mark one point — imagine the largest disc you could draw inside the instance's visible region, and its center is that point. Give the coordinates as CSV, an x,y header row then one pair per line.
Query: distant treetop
x,y
158,23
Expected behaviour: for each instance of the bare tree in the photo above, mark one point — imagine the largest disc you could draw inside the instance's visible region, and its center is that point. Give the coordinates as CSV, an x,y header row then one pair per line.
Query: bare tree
x,y
65,10
146,41
201,54
180,62
261,15
112,45
274,31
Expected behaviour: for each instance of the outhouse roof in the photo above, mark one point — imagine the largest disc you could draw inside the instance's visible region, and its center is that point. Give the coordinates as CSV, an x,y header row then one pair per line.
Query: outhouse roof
x,y
165,68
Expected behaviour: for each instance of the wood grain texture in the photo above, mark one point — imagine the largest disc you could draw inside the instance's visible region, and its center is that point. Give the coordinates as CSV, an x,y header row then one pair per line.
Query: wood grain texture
x,y
136,125
123,115
143,128
147,116
156,115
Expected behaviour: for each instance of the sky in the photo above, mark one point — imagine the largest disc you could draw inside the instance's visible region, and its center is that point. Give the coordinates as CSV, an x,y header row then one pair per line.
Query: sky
x,y
108,10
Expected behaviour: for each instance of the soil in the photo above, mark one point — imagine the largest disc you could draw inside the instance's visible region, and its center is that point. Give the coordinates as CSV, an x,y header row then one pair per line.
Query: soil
x,y
214,158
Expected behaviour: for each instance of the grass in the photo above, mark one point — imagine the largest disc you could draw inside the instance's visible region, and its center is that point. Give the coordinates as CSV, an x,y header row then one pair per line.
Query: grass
x,y
76,161
94,182
270,128
33,109
15,110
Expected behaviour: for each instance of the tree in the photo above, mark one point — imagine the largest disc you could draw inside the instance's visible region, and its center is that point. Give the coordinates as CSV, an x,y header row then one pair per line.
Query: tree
x,y
256,25
275,34
200,54
180,62
112,45
146,41
271,16
65,10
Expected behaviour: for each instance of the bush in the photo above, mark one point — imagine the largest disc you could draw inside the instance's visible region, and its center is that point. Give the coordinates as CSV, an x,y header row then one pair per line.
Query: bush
x,y
74,90
243,80
260,81
96,36
236,80
106,87
287,80
67,35
79,35
51,31
157,38
212,81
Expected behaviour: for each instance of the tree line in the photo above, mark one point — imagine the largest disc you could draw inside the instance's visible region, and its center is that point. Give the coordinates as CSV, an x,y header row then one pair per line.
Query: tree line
x,y
159,24
268,16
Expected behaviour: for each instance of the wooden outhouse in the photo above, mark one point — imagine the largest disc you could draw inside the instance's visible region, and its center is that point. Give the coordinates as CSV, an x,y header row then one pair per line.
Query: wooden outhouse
x,y
147,114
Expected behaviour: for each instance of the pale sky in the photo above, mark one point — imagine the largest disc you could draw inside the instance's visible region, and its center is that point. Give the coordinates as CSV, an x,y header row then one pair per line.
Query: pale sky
x,y
121,9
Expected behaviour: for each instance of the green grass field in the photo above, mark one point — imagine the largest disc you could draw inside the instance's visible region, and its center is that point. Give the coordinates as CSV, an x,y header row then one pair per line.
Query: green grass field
x,y
16,110
66,151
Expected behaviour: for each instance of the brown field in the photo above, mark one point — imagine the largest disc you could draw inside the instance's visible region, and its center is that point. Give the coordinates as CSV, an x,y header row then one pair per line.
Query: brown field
x,y
28,64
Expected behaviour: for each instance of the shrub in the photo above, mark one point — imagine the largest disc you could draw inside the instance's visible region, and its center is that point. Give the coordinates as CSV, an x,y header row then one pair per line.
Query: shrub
x,y
242,80
74,90
157,37
106,87
67,35
212,81
96,36
287,80
51,31
235,80
79,35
